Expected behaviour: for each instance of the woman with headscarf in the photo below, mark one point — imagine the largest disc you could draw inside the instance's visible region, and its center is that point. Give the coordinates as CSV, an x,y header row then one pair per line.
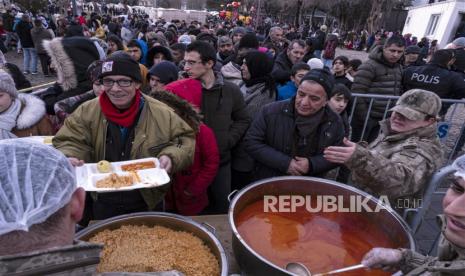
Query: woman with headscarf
x,y
259,89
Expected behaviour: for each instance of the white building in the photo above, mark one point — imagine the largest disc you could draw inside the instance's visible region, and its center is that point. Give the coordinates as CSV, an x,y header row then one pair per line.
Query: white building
x,y
435,20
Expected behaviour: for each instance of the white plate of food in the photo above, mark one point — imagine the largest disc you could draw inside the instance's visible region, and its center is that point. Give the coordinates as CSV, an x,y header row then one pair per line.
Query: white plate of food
x,y
107,176
47,140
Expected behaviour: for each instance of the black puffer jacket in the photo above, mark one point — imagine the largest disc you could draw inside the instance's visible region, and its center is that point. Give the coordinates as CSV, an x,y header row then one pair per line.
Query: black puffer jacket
x,y
376,76
270,140
432,77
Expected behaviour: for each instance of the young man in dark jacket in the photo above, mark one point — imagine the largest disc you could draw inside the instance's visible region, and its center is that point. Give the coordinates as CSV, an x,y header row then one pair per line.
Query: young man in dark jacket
x,y
286,59
23,29
224,111
289,137
380,74
39,34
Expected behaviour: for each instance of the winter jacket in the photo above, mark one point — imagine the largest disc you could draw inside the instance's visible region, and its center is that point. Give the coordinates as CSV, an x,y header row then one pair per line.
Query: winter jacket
x,y
449,262
376,76
282,68
397,165
38,36
190,185
232,73
32,120
287,91
23,29
320,38
225,112
432,77
255,97
330,47
72,56
343,80
158,132
126,35
270,140
66,106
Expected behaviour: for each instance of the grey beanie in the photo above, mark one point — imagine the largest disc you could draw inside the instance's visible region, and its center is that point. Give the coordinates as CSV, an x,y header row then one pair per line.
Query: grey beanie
x,y
7,84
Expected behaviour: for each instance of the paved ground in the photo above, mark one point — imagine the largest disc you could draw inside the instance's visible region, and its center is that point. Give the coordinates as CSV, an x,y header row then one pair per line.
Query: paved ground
x,y
428,231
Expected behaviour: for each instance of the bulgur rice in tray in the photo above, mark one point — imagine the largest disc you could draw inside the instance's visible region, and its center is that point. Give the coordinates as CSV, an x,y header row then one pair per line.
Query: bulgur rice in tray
x,y
140,248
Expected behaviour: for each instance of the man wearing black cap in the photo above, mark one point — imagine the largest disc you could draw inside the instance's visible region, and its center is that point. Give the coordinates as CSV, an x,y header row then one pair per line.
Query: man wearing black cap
x,y
412,56
123,124
289,137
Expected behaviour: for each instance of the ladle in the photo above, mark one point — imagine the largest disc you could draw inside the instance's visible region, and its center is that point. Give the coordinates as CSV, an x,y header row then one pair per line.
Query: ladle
x,y
301,270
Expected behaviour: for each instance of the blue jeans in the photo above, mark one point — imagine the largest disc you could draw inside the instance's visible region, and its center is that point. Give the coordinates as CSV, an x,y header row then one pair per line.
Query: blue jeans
x,y
30,60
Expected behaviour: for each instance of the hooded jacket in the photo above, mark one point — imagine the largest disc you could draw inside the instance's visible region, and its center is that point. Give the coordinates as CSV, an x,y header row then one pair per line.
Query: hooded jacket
x,y
71,56
397,165
232,73
376,76
38,36
144,50
188,195
32,120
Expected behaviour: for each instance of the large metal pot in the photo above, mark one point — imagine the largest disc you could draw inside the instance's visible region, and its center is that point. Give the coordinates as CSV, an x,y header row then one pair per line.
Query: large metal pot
x,y
172,221
252,263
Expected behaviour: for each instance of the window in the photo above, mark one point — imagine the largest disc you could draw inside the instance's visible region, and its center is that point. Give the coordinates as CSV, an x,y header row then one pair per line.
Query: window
x,y
433,23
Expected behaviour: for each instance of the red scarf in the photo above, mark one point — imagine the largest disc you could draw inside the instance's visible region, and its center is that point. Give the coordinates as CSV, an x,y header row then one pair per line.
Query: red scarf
x,y
124,118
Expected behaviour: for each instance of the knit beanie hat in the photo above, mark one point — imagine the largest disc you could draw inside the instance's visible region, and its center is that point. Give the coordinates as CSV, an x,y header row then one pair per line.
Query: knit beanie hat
x,y
322,77
249,41
188,89
120,63
166,71
238,30
7,85
259,64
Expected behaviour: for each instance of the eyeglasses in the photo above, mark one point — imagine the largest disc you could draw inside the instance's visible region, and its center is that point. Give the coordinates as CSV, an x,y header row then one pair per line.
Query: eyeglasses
x,y
121,83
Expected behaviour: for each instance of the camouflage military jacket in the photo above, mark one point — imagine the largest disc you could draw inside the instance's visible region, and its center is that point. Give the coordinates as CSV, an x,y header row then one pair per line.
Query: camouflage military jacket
x,y
80,258
450,260
397,165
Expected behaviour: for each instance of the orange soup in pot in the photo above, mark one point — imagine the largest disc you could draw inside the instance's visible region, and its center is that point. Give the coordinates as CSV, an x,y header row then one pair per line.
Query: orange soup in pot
x,y
321,241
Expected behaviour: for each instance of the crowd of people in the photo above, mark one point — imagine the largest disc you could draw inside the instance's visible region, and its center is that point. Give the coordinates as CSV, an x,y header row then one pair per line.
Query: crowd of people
x,y
220,105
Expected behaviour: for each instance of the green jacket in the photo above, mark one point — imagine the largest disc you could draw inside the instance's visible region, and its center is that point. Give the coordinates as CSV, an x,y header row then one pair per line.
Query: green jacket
x,y
159,131
397,165
449,262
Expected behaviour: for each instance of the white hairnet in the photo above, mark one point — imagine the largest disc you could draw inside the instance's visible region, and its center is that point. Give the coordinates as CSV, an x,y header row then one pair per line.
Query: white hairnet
x,y
35,181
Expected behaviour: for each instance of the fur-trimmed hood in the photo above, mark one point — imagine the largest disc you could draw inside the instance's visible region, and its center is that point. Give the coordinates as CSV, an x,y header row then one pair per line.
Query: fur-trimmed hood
x,y
71,57
32,111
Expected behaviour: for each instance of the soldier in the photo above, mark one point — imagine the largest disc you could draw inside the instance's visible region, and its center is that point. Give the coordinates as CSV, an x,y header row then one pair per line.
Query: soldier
x,y
39,209
404,155
451,247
